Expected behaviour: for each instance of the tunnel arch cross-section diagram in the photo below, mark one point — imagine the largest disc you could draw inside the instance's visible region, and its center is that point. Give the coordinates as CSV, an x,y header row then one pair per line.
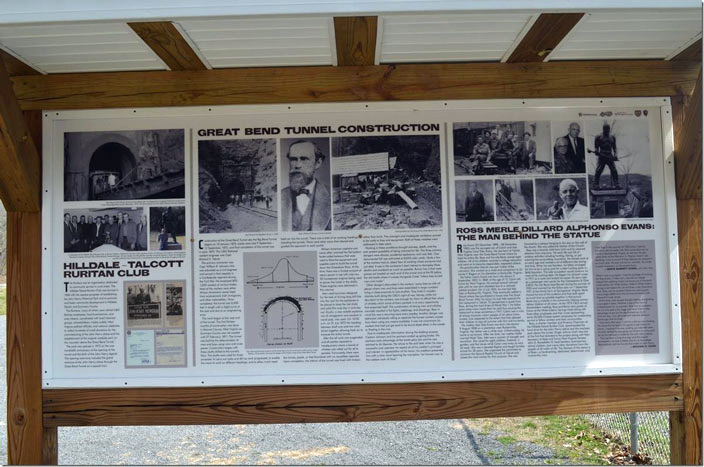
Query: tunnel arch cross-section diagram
x,y
280,294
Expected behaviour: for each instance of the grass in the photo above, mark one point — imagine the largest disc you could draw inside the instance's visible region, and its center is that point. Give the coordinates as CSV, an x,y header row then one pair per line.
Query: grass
x,y
3,301
506,440
573,439
577,439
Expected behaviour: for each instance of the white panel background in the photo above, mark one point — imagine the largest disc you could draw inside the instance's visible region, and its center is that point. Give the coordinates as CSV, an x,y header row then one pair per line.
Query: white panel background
x,y
669,359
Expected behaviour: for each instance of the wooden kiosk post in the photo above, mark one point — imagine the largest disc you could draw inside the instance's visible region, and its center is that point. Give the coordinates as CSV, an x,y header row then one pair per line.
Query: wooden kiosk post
x,y
35,413
20,187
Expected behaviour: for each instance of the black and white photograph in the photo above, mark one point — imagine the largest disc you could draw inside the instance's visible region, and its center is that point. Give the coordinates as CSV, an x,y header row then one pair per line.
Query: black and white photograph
x,y
618,165
237,185
124,165
174,304
489,148
514,199
568,147
167,227
386,182
105,230
143,304
474,200
305,184
561,199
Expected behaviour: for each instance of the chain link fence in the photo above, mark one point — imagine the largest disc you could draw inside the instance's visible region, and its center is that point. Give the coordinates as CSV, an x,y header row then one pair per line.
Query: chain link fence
x,y
653,432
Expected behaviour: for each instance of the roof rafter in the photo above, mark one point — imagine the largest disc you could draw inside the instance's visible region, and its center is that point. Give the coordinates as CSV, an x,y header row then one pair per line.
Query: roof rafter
x,y
545,34
168,43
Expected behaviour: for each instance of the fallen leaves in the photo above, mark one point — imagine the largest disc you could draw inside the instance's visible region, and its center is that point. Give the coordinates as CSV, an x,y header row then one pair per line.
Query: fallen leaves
x,y
622,456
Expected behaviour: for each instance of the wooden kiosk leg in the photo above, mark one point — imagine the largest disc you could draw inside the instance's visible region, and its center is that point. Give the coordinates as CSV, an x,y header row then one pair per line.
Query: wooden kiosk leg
x,y
24,372
50,446
686,426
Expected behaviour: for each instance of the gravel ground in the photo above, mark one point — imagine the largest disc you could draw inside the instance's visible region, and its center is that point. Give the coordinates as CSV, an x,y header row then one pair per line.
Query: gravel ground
x,y
435,442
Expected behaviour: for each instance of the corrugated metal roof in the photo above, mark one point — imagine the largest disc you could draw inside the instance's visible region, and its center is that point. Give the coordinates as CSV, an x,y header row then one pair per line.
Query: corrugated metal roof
x,y
228,43
79,47
629,34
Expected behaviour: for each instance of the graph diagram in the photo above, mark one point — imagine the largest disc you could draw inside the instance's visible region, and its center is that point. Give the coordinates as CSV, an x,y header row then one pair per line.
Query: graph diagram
x,y
282,320
283,273
280,292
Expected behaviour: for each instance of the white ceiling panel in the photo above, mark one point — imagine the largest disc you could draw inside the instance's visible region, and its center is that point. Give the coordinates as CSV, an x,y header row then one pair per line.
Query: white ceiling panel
x,y
228,43
79,47
629,34
266,61
446,38
175,10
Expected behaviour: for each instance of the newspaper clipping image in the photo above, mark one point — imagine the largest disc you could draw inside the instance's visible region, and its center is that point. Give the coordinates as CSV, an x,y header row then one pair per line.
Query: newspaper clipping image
x,y
155,332
144,304
174,304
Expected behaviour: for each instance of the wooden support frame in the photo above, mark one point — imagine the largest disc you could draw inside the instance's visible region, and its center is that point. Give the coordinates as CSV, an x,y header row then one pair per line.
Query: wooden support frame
x,y
16,67
24,372
33,437
355,40
359,403
168,43
686,426
364,83
691,53
20,183
545,34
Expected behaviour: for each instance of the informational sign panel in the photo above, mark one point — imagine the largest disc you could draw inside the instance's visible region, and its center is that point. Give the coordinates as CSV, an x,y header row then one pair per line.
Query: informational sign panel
x,y
280,245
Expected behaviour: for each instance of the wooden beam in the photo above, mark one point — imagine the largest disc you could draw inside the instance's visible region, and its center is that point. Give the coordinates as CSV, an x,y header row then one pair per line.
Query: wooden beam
x,y
20,183
359,403
692,53
355,40
16,67
365,83
24,371
545,34
677,443
687,123
689,218
686,426
168,43
50,449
